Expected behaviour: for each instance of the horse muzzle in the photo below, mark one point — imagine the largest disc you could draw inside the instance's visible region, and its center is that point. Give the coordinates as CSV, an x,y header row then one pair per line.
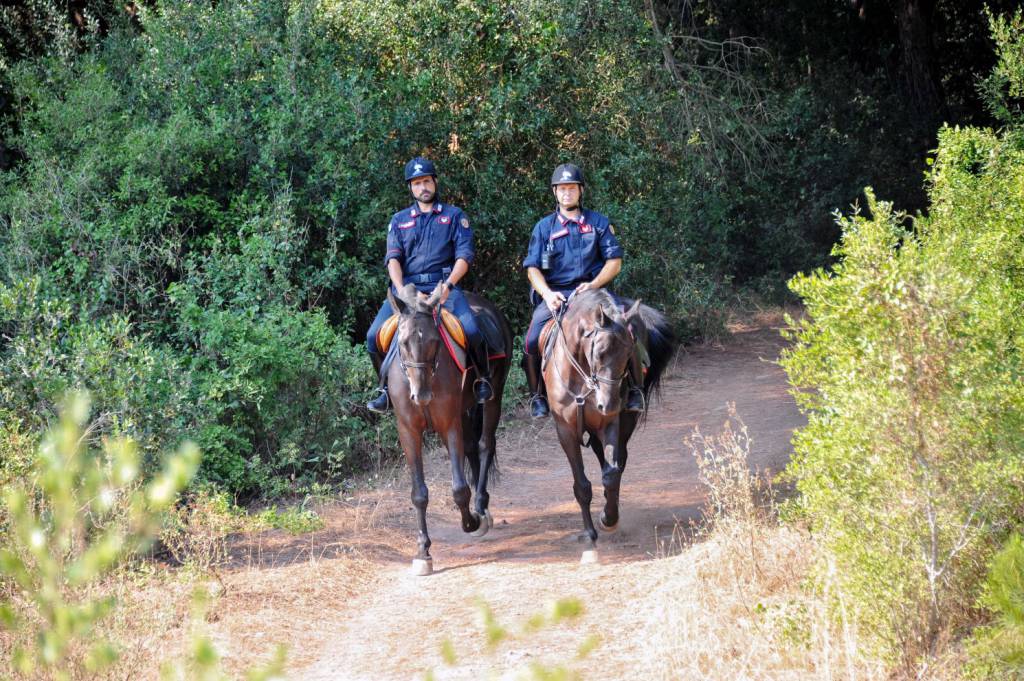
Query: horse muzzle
x,y
421,397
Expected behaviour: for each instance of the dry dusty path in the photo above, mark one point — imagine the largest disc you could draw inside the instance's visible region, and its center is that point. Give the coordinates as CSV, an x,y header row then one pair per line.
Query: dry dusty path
x,y
393,625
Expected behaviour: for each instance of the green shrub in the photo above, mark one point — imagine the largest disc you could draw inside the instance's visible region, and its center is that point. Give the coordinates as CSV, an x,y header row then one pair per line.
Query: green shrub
x,y
997,651
910,360
137,388
909,364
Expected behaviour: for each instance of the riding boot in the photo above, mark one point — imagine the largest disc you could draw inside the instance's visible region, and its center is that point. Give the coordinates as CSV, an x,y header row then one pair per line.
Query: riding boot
x,y
635,399
535,380
380,404
482,387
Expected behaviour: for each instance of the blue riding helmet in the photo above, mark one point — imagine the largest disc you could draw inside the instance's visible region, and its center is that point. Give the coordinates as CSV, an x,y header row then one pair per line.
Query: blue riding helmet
x,y
418,167
567,173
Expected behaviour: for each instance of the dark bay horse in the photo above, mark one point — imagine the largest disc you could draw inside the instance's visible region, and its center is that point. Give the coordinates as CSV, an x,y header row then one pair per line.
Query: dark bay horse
x,y
592,343
430,392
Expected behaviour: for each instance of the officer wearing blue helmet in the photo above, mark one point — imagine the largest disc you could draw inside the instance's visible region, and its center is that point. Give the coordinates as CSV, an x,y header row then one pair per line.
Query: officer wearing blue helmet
x,y
571,249
430,245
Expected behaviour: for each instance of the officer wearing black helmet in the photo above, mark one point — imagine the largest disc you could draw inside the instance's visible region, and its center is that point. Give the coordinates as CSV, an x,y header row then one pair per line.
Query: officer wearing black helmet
x,y
430,245
571,249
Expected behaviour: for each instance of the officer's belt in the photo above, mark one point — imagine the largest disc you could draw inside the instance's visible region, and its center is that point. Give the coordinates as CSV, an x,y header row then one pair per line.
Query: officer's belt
x,y
427,277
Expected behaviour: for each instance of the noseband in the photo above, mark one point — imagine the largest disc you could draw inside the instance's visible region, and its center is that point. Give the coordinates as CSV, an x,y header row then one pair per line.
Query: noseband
x,y
423,366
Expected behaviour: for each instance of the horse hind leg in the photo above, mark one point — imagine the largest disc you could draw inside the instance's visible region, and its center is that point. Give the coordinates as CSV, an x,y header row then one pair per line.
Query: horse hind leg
x,y
460,488
488,427
611,479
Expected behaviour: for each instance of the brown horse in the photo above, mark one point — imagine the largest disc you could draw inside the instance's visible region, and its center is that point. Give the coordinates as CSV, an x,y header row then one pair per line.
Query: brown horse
x,y
590,348
430,392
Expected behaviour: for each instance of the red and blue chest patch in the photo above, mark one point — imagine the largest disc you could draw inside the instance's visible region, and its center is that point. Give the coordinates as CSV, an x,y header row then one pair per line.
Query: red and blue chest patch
x,y
407,224
444,219
586,229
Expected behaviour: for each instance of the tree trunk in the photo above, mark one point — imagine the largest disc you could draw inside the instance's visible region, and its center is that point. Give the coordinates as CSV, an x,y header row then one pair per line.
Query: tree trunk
x,y
914,18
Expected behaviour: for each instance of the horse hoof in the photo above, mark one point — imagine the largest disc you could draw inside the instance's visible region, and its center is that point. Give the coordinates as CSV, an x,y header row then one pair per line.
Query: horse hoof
x,y
484,525
489,518
422,568
606,528
590,557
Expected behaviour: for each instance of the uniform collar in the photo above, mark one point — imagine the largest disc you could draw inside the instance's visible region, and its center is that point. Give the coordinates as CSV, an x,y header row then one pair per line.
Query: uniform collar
x,y
582,220
414,211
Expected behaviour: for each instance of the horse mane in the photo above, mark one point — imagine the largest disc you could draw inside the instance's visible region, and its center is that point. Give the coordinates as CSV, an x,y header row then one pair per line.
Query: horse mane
x,y
596,297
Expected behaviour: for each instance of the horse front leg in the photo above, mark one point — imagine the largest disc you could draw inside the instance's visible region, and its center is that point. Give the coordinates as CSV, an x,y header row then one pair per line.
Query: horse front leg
x,y
460,488
612,464
412,445
581,486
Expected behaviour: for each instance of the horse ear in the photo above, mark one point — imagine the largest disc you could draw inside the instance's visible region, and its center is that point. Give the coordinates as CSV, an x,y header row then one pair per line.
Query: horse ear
x,y
397,304
634,311
407,294
435,298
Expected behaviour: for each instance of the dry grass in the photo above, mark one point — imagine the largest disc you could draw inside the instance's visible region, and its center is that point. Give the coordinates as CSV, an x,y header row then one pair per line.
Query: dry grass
x,y
736,604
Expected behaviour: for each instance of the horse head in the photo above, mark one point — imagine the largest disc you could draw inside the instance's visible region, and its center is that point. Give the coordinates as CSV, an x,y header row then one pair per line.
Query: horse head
x,y
419,341
605,347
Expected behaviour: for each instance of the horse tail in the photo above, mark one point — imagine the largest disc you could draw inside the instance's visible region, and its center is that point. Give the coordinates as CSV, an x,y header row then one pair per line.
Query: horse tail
x,y
661,345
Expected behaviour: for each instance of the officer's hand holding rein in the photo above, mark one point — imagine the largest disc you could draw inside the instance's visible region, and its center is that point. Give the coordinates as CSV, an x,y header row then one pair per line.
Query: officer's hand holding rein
x,y
554,300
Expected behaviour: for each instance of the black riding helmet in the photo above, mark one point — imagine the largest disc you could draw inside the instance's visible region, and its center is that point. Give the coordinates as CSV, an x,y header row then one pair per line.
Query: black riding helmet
x,y
567,173
418,167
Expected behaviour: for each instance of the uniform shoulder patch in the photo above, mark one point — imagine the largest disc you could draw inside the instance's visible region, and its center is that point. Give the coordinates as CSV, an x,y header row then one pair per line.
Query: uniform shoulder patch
x,y
464,222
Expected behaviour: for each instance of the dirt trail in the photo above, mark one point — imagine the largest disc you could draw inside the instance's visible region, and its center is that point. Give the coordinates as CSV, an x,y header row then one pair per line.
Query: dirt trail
x,y
394,624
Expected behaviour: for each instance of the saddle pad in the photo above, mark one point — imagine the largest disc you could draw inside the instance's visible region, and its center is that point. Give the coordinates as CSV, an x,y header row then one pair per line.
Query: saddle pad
x,y
454,340
386,333
451,324
454,327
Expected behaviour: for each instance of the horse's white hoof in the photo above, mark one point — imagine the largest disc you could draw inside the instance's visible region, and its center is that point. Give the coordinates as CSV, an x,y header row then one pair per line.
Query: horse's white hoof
x,y
422,568
609,529
590,557
484,526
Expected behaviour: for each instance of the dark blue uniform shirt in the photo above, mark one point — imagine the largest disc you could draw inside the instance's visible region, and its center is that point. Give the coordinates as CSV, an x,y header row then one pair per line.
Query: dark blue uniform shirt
x,y
429,242
578,249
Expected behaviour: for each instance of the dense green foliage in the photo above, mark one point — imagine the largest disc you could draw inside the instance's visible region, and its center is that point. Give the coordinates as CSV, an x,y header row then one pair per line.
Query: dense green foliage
x,y
193,195
211,191
912,356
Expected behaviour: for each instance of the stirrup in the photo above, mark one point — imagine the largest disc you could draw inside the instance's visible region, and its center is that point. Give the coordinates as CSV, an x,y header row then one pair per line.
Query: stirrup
x,y
635,400
380,404
482,390
539,406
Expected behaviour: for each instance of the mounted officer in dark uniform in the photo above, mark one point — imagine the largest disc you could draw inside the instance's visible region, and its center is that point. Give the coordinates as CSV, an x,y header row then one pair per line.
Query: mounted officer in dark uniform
x,y
430,245
570,250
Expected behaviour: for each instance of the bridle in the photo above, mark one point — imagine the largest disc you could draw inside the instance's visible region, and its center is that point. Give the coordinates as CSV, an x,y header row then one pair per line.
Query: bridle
x,y
422,366
591,380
